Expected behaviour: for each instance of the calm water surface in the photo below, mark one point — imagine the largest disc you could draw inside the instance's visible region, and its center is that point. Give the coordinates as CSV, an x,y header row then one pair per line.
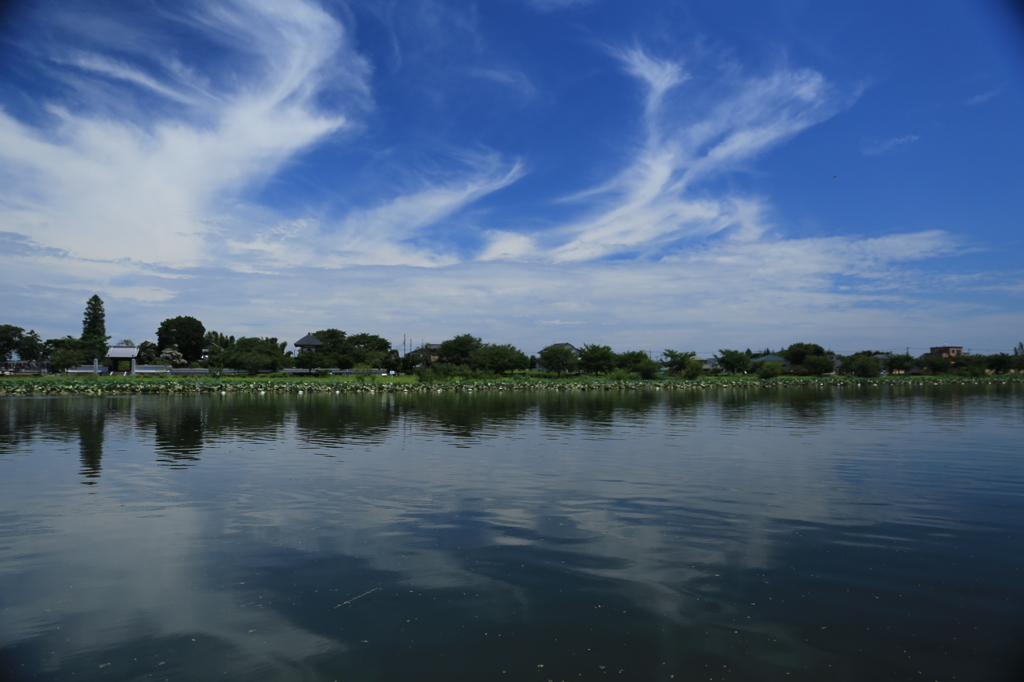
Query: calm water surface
x,y
832,534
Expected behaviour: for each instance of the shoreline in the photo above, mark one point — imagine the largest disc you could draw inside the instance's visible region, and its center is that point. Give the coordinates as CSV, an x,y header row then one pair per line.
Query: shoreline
x,y
36,386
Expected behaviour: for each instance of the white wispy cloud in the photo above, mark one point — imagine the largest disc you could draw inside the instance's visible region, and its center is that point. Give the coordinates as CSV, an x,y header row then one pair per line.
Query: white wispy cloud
x,y
556,5
121,71
845,289
649,203
143,186
158,209
877,148
511,78
983,97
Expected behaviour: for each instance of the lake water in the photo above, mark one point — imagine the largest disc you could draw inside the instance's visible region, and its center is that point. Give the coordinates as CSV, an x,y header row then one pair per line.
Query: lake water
x,y
811,534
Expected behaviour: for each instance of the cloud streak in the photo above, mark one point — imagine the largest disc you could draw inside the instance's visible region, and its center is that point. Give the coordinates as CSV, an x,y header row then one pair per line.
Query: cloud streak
x,y
650,204
879,148
143,186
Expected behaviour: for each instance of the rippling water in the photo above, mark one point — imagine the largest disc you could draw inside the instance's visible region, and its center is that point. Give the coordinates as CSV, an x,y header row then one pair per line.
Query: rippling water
x,y
832,534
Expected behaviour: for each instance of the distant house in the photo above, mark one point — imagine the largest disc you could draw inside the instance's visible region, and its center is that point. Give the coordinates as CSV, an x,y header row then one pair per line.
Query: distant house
x,y
122,358
946,352
309,343
428,353
708,364
786,366
560,345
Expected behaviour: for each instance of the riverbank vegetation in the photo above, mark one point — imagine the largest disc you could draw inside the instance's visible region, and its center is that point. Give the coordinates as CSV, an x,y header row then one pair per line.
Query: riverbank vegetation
x,y
115,385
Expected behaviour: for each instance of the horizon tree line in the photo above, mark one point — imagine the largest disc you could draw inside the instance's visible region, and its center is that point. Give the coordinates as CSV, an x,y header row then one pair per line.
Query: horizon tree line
x,y
185,341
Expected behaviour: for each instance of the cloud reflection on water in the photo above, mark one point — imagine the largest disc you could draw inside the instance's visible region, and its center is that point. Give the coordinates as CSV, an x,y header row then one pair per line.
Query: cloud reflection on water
x,y
638,529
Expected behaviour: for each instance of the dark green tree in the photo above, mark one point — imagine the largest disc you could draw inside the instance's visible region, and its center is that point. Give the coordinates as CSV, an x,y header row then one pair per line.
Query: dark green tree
x,y
256,354
938,365
972,365
637,362
94,328
67,352
335,351
558,359
184,332
694,368
312,360
391,361
94,323
899,363
334,341
31,347
861,365
367,350
1000,363
215,338
499,359
148,352
769,370
819,365
456,351
10,340
215,345
798,352
596,359
733,361
677,362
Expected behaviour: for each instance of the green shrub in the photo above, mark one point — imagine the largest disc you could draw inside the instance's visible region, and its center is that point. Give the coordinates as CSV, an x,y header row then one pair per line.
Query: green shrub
x,y
864,366
694,368
769,370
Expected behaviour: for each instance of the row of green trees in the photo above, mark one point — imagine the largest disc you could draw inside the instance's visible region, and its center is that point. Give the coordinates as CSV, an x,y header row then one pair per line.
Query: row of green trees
x,y
63,352
184,341
812,360
466,354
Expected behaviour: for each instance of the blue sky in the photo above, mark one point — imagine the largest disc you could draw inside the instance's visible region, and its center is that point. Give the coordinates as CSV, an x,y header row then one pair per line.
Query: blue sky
x,y
647,175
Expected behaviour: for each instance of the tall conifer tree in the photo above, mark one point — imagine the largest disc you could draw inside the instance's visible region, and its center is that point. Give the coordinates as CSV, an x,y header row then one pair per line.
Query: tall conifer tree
x,y
94,327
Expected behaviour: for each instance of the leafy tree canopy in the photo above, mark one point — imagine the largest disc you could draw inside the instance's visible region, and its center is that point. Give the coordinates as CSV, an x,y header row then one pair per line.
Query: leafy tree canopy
x,y
769,370
898,364
797,352
733,361
68,352
558,359
334,341
819,365
456,351
1000,363
368,350
31,347
499,359
256,354
639,362
861,365
148,352
676,361
215,338
10,339
596,359
187,333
